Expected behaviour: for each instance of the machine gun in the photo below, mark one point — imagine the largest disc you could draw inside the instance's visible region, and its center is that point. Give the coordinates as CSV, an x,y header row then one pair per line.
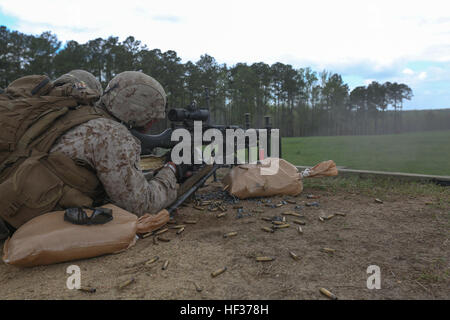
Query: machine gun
x,y
184,118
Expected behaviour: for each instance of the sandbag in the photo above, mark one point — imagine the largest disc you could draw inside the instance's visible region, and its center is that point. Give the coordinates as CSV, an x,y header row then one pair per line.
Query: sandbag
x,y
272,176
151,222
49,239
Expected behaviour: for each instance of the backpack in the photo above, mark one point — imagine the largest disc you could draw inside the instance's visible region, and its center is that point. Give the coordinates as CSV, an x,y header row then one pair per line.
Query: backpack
x,y
34,113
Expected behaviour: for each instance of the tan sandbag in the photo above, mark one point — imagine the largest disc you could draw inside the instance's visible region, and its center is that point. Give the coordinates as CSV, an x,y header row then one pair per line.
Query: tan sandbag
x,y
49,239
150,222
271,177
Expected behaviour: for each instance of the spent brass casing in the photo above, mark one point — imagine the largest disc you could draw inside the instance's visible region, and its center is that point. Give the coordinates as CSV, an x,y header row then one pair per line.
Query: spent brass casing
x,y
151,261
230,234
218,272
126,283
327,293
300,222
264,259
165,265
197,287
294,256
267,229
282,226
87,289
179,231
180,226
220,215
161,231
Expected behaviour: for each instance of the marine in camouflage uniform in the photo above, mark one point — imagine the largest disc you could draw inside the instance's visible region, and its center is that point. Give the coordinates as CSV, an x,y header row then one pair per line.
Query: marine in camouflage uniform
x,y
133,100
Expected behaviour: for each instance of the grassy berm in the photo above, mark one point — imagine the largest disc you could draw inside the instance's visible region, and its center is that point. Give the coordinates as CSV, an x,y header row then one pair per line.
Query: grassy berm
x,y
419,152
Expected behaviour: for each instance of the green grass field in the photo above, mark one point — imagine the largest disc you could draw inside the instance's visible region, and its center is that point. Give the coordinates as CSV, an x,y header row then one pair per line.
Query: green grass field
x,y
419,152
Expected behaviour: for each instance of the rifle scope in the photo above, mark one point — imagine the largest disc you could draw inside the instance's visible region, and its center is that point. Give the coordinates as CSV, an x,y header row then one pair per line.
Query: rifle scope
x,y
184,114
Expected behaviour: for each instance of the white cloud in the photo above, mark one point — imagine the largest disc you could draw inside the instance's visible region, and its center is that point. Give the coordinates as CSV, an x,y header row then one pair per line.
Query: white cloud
x,y
422,75
320,32
407,71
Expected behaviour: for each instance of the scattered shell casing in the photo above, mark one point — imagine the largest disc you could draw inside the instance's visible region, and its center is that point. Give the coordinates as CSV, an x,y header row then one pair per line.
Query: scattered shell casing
x,y
162,239
264,259
266,219
179,231
213,209
329,217
151,261
267,229
311,196
199,208
278,205
218,272
378,200
278,223
294,256
220,215
165,265
300,222
327,293
284,225
230,234
340,214
205,202
126,283
328,250
222,208
190,222
283,219
161,231
87,289
180,226
299,229
197,287
258,210
321,219
291,201
147,235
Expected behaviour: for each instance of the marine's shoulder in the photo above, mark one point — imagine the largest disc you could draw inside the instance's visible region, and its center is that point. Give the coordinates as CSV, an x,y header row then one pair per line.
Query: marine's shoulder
x,y
104,125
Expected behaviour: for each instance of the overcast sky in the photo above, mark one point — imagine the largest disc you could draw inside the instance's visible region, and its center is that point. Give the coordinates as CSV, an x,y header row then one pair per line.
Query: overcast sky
x,y
395,40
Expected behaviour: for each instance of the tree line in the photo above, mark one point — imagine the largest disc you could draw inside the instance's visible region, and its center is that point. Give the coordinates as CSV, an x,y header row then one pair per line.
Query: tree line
x,y
301,102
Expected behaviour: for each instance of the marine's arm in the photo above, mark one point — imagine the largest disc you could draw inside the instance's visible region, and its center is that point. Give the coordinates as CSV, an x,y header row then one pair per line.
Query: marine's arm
x,y
114,153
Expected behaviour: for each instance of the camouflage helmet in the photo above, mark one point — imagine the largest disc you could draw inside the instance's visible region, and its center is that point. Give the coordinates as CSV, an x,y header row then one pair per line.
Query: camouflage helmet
x,y
76,76
134,98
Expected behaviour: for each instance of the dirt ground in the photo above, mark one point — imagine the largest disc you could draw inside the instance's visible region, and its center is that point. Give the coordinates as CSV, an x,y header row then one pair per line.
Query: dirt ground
x,y
405,236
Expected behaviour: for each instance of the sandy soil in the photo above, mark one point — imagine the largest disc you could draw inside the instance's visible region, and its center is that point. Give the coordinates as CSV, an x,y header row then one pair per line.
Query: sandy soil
x,y
405,237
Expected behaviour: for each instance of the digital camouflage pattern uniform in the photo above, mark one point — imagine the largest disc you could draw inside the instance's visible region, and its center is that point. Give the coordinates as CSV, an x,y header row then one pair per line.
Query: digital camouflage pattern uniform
x,y
114,152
